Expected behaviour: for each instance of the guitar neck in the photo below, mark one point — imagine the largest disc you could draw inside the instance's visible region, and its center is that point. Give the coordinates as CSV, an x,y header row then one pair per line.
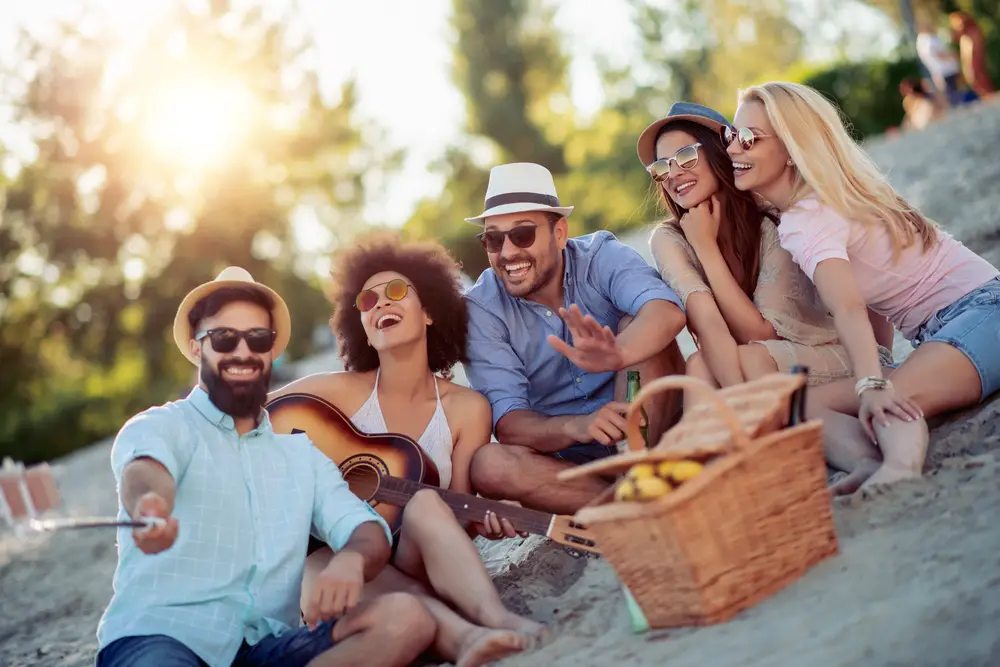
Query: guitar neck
x,y
397,491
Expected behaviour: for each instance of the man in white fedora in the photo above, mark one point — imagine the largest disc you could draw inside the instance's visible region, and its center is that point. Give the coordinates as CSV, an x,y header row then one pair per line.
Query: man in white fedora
x,y
553,326
219,583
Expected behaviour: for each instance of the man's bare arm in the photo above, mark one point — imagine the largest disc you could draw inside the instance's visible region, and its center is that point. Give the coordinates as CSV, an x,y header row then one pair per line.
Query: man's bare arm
x,y
146,475
540,432
655,326
368,541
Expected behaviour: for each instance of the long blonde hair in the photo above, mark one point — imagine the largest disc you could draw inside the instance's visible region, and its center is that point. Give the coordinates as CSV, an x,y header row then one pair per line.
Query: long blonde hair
x,y
831,166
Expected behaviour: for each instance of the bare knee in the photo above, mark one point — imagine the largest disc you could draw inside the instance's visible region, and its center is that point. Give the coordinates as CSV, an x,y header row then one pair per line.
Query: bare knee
x,y
425,508
401,618
755,361
494,469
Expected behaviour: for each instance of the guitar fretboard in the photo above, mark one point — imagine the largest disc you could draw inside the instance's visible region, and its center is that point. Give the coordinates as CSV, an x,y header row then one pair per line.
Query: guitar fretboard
x,y
397,491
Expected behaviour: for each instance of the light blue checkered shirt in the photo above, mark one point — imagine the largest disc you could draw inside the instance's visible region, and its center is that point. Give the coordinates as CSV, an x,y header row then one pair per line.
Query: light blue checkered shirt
x,y
245,506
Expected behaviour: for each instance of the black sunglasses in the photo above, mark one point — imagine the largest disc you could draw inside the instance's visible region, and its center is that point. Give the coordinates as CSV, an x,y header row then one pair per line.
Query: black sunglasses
x,y
225,340
522,237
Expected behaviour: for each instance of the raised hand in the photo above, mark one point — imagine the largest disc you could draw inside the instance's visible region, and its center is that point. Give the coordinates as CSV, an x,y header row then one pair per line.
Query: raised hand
x,y
595,349
701,223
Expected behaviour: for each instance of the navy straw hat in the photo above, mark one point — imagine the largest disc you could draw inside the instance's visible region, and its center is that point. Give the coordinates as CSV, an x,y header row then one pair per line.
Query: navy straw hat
x,y
695,113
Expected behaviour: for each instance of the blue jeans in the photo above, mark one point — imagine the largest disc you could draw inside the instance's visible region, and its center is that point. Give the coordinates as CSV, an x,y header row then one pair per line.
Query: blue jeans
x,y
294,648
971,325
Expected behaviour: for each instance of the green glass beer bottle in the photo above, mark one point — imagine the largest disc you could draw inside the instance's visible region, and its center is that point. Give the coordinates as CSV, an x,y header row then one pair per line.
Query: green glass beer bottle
x,y
632,389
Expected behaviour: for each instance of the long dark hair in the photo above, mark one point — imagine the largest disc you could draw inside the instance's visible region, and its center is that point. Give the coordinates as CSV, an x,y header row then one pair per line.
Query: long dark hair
x,y
741,209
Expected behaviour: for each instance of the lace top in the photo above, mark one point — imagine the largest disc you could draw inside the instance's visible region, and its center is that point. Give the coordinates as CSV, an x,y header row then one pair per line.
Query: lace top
x,y
784,295
436,440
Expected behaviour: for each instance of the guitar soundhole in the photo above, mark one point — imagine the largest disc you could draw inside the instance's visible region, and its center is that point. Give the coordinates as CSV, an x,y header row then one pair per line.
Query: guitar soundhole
x,y
362,473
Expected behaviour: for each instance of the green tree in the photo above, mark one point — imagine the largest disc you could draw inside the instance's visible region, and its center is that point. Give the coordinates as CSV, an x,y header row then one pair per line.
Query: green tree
x,y
106,225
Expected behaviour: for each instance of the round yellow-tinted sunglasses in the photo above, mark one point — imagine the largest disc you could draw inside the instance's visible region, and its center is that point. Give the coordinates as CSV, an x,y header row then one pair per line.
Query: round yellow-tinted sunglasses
x,y
395,290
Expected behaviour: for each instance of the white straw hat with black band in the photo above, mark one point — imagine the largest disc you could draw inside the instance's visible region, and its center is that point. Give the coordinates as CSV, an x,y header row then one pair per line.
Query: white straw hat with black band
x,y
519,187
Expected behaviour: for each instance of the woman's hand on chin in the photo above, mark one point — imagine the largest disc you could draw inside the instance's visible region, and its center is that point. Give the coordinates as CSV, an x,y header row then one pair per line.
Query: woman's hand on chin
x,y
701,223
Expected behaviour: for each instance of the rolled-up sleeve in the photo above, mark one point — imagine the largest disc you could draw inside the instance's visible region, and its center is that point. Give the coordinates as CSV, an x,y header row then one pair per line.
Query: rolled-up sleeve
x,y
811,236
150,434
337,512
622,273
494,369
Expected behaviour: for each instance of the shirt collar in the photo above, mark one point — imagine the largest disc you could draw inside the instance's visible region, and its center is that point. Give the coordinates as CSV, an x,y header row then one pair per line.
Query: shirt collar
x,y
203,403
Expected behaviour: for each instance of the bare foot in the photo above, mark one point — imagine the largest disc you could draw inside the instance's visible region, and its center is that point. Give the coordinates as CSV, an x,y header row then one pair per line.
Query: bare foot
x,y
484,645
887,474
853,481
523,625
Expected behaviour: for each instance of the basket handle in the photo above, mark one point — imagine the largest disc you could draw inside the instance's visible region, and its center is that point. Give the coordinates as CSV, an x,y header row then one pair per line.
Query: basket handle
x,y
700,387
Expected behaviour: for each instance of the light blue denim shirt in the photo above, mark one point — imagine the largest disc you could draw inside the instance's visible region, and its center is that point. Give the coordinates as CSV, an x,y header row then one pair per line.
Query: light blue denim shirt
x,y
510,360
245,506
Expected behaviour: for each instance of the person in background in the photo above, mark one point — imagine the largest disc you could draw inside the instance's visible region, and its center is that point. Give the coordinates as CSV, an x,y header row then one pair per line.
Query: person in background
x,y
919,105
941,63
864,246
972,53
751,310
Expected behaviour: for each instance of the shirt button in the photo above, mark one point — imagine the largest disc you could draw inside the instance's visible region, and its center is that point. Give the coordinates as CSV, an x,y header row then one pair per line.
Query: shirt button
x,y
578,380
548,313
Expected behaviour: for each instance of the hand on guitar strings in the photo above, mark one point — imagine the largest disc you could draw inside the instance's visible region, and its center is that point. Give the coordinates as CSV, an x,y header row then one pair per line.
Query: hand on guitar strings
x,y
495,528
338,589
154,538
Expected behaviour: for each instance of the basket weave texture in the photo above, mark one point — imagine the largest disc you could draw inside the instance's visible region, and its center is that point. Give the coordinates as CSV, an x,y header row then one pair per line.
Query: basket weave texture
x,y
757,517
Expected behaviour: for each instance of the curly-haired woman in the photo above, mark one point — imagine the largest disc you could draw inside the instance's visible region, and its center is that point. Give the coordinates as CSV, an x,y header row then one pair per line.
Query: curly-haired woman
x,y
400,320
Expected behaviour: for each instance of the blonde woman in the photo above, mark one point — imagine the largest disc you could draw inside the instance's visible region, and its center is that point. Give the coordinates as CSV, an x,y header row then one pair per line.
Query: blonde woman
x,y
863,246
750,308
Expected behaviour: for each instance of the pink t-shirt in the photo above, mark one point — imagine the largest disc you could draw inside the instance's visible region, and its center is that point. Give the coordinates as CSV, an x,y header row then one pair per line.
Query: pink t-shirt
x,y
907,292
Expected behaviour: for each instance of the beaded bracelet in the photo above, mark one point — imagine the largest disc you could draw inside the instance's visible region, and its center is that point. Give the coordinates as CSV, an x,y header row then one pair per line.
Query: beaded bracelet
x,y
871,382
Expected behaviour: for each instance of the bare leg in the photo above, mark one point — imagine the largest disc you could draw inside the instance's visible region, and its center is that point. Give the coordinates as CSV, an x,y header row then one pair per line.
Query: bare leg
x,y
938,378
845,444
513,472
697,367
390,631
457,640
756,361
433,547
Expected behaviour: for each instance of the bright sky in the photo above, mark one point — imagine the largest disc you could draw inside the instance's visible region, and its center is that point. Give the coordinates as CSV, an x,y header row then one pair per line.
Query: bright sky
x,y
400,52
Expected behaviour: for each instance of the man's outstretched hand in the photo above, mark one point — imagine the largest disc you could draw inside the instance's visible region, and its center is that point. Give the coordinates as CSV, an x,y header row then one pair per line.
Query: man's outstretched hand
x,y
595,349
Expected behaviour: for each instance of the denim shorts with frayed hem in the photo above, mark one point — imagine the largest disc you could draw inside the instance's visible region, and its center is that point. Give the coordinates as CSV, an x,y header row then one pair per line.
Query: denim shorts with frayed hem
x,y
971,325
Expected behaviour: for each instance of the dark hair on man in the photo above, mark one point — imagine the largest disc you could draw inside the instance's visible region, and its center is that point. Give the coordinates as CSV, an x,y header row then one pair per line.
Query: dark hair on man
x,y
434,274
214,302
742,209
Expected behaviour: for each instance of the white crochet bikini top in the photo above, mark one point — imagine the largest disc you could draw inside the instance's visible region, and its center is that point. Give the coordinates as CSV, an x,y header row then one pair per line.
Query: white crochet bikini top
x,y
436,439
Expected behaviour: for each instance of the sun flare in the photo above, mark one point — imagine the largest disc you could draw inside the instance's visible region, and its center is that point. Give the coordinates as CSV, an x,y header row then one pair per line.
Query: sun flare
x,y
198,124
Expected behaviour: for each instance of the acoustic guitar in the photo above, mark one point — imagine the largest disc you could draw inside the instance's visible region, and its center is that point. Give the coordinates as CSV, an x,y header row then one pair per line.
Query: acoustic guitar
x,y
386,470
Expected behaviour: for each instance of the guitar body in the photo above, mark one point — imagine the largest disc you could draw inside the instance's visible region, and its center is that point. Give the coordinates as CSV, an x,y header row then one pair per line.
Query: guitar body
x,y
363,459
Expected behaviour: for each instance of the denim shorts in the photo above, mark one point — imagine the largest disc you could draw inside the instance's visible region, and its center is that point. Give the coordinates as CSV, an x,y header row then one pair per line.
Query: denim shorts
x,y
293,648
972,325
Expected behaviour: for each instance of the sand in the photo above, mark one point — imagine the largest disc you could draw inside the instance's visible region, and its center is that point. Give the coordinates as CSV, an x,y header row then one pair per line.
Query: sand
x,y
917,580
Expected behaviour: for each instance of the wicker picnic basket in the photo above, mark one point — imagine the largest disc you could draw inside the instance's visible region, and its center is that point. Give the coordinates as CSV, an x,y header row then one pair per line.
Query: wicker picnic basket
x,y
754,520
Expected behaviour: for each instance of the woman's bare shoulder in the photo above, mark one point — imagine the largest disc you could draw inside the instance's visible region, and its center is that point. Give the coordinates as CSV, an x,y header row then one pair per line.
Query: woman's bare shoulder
x,y
332,386
464,403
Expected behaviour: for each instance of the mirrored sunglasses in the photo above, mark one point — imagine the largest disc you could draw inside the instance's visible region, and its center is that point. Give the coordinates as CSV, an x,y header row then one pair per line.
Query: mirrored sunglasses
x,y
522,237
746,136
225,339
686,158
395,290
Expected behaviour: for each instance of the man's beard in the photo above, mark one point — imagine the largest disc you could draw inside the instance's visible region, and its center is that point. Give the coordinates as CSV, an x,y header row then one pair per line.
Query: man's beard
x,y
523,291
237,399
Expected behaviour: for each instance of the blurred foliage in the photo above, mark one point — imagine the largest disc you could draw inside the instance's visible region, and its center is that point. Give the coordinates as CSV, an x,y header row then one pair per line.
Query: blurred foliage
x,y
101,237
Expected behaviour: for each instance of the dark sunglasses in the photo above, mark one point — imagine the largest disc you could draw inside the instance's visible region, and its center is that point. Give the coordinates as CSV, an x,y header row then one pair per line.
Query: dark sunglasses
x,y
225,340
522,237
395,290
685,158
746,136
